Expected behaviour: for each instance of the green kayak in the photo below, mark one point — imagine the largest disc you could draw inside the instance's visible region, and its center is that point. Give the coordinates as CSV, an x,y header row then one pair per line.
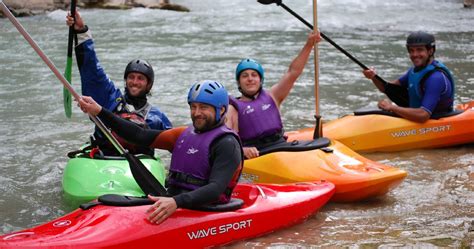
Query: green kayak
x,y
85,179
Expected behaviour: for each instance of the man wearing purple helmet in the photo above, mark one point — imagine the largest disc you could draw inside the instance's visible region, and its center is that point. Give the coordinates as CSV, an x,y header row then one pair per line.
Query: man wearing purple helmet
x,y
207,156
132,105
256,114
429,83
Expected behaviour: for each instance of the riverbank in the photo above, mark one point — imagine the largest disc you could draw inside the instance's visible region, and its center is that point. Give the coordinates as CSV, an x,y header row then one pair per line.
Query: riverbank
x,y
22,8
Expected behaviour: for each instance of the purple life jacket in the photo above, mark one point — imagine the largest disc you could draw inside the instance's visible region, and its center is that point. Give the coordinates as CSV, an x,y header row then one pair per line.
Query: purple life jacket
x,y
257,118
190,168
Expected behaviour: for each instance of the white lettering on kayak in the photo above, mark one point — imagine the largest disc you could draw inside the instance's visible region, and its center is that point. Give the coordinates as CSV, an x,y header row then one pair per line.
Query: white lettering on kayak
x,y
248,178
421,131
405,133
202,233
235,226
211,231
435,129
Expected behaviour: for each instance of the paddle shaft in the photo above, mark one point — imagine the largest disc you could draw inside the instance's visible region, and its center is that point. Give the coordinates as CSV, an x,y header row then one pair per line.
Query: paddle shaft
x,y
316,59
71,30
318,127
56,72
70,43
68,71
330,41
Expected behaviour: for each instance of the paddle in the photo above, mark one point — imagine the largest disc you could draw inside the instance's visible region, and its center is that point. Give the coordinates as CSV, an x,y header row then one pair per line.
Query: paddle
x,y
68,71
396,93
318,129
142,176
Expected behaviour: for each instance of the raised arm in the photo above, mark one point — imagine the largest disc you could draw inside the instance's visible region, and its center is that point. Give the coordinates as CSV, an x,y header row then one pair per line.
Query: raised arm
x,y
281,90
94,80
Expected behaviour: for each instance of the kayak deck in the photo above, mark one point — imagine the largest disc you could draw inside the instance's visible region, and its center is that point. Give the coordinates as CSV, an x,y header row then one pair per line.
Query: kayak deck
x,y
266,208
84,179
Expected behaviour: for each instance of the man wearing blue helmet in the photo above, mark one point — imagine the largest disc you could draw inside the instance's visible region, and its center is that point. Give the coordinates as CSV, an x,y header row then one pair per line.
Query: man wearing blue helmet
x,y
207,156
429,83
256,114
132,105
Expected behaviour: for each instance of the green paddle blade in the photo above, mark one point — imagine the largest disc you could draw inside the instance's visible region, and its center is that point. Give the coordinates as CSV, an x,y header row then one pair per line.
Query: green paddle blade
x,y
67,97
67,102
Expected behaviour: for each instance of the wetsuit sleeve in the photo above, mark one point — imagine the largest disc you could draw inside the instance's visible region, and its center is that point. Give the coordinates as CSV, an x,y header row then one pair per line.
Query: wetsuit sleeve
x,y
160,139
225,158
435,86
94,81
167,138
129,130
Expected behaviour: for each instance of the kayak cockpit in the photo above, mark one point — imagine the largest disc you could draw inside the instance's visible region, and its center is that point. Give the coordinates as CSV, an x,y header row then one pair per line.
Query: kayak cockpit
x,y
127,201
296,145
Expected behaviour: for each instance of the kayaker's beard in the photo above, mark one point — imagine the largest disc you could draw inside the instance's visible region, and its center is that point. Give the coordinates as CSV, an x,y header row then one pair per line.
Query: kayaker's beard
x,y
203,123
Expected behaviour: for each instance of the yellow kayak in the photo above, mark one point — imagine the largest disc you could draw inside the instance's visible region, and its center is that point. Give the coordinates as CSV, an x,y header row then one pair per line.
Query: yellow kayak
x,y
356,178
377,132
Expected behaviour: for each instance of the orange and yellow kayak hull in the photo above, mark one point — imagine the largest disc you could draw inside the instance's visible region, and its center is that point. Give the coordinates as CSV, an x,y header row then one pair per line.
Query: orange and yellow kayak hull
x,y
374,132
355,177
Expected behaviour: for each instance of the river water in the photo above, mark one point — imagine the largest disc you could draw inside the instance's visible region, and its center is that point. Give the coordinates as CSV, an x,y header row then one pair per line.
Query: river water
x,y
433,207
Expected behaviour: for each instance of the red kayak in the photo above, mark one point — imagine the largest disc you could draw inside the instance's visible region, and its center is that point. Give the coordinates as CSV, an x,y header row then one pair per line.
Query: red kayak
x,y
265,208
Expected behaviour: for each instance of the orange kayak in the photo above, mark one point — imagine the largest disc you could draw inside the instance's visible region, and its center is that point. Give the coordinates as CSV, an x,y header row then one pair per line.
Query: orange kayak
x,y
356,178
377,132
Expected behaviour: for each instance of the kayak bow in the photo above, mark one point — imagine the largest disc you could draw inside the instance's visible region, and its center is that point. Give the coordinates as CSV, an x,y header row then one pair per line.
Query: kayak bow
x,y
356,178
84,178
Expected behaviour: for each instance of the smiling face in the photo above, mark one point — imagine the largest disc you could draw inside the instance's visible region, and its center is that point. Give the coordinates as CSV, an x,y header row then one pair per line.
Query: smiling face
x,y
203,116
249,82
137,84
420,55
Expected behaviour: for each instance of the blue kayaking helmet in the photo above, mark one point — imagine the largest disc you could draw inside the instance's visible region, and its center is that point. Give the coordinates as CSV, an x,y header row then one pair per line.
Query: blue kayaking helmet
x,y
212,93
249,64
421,38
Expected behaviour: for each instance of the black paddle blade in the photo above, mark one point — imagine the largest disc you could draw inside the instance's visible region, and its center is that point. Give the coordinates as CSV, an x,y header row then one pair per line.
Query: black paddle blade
x,y
278,2
397,94
147,182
